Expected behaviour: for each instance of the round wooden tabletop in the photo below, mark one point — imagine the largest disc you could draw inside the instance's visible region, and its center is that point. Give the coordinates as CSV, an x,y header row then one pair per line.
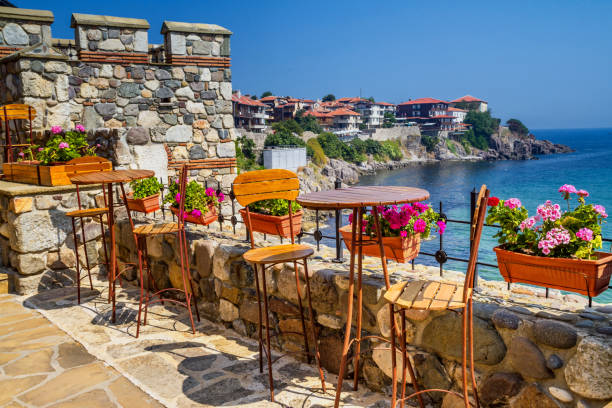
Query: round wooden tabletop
x,y
114,176
362,196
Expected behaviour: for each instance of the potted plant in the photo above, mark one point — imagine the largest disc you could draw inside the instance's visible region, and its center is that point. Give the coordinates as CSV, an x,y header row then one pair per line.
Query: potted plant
x,y
144,196
200,203
66,153
272,217
554,248
402,230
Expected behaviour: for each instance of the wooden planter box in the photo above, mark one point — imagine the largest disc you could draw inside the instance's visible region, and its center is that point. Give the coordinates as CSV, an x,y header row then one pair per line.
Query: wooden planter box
x,y
274,224
396,248
587,277
205,219
144,205
53,175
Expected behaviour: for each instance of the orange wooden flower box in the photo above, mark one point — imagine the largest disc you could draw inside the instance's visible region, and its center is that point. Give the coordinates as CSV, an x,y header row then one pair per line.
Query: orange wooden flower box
x,y
274,224
53,175
205,219
587,277
398,249
144,205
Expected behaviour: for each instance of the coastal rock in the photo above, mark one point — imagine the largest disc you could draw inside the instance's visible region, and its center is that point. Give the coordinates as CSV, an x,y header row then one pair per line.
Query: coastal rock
x,y
506,319
531,397
526,358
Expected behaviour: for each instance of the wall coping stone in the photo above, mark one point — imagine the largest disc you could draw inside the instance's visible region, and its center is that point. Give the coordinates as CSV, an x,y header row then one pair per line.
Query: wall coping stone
x,y
26,14
39,50
11,189
107,21
199,28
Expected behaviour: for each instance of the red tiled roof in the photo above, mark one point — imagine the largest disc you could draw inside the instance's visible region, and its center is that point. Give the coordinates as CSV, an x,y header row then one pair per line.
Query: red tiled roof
x,y
384,103
468,98
423,101
244,100
451,109
268,98
308,101
344,112
349,100
317,114
442,117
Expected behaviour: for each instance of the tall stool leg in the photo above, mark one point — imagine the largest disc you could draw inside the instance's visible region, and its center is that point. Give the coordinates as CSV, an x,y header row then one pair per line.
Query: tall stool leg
x,y
471,319
85,250
256,267
104,243
312,326
464,328
184,265
141,271
393,356
349,315
193,295
403,347
77,264
359,306
299,296
268,347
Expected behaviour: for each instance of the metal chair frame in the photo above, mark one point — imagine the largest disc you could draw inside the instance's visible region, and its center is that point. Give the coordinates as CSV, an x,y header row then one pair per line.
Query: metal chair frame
x,y
276,184
467,325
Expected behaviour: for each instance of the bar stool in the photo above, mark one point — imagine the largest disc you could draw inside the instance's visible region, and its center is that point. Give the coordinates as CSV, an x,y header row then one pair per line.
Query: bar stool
x,y
81,214
437,296
149,230
260,185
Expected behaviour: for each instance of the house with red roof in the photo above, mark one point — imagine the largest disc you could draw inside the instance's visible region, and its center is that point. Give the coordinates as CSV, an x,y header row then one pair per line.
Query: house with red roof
x,y
345,121
372,113
470,103
457,114
249,114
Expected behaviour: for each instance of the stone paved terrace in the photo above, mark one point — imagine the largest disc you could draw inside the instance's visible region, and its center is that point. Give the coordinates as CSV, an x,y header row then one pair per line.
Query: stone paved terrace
x,y
174,368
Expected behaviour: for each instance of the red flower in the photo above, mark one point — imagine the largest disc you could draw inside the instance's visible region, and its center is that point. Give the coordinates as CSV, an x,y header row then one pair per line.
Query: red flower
x,y
493,201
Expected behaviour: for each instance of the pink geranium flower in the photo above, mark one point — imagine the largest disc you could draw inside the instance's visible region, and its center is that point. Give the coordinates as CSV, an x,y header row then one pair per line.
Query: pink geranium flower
x,y
63,145
513,203
585,234
441,226
177,197
196,213
582,193
601,210
221,197
56,129
419,226
210,191
80,128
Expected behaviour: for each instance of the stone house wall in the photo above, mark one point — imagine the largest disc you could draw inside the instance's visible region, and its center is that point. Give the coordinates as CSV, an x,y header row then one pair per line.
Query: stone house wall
x,y
525,356
143,114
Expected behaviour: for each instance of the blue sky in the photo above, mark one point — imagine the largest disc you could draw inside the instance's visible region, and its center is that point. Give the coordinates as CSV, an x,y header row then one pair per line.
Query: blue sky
x,y
548,63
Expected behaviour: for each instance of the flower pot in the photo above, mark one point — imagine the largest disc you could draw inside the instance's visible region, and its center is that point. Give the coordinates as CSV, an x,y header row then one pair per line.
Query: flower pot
x,y
145,205
32,172
399,249
273,224
204,219
587,277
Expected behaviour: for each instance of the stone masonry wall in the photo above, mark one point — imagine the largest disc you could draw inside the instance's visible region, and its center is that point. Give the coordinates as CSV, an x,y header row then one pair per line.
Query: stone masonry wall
x,y
36,239
143,114
527,354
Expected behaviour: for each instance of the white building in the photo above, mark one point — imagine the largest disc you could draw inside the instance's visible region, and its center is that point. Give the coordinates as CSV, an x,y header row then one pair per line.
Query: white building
x,y
345,121
457,114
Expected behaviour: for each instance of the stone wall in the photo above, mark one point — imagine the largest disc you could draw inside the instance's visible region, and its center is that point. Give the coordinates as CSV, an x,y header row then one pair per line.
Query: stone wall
x,y
20,28
144,114
527,353
36,239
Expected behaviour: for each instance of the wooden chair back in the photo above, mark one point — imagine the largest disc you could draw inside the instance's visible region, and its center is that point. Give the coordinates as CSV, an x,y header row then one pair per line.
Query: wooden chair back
x,y
258,185
475,234
14,112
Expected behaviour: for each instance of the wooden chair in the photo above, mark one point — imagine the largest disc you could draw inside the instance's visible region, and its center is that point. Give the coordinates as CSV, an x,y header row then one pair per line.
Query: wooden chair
x,y
437,296
81,214
260,185
143,232
14,112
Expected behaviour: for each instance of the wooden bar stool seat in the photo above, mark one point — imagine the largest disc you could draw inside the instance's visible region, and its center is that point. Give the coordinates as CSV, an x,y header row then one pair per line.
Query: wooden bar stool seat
x,y
424,295
157,229
278,253
88,212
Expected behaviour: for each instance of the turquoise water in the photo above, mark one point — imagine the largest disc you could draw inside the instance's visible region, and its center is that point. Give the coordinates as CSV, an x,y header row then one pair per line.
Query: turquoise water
x,y
532,181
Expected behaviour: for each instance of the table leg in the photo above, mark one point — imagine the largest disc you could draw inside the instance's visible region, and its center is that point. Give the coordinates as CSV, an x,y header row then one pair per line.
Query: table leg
x,y
359,302
349,312
113,249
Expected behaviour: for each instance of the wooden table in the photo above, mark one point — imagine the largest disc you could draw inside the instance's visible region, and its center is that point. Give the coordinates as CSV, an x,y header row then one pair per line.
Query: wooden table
x,y
107,179
358,198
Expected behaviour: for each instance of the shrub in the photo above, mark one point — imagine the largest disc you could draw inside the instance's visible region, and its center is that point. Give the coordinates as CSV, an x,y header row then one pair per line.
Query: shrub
x,y
276,206
392,150
315,152
429,142
466,146
146,187
451,146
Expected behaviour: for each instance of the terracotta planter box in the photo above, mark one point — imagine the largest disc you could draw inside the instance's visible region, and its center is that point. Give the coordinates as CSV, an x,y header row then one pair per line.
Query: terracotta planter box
x,y
53,175
587,277
205,219
144,205
274,224
396,248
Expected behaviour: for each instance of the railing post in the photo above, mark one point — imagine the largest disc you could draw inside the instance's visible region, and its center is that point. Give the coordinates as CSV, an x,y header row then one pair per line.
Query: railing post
x,y
441,244
338,215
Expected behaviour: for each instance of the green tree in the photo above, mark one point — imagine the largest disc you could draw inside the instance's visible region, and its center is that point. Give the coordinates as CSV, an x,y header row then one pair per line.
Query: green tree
x,y
267,93
517,126
429,142
254,97
284,134
247,146
389,120
371,99
483,126
329,98
307,122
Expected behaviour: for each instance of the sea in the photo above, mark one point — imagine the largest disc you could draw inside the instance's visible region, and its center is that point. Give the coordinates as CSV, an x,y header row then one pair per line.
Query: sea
x,y
449,183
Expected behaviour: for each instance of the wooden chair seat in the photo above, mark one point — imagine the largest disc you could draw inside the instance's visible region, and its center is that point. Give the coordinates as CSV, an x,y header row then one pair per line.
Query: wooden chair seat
x,y
157,229
278,253
424,295
88,212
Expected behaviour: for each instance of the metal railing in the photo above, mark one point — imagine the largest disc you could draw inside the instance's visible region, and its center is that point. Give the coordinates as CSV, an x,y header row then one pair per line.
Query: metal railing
x,y
440,255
